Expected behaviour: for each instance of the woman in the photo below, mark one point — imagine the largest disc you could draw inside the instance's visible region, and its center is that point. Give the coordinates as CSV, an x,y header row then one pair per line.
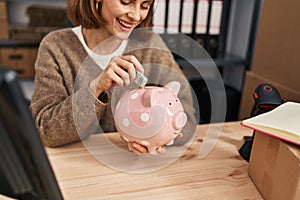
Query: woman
x,y
62,52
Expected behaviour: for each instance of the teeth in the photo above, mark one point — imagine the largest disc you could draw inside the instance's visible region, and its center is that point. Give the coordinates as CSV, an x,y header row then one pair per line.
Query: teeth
x,y
125,24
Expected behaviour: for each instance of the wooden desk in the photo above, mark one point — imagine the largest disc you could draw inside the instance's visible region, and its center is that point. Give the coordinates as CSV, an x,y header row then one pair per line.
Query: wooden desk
x,y
220,175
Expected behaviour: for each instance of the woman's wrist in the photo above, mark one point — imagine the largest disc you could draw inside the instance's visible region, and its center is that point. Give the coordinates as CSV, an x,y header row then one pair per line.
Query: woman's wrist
x,y
95,89
101,95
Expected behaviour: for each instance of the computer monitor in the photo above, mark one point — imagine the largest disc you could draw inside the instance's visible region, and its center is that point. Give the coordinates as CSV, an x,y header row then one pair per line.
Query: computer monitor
x,y
25,171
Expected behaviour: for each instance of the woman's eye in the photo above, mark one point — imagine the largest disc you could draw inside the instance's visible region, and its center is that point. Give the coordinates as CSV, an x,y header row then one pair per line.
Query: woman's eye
x,y
126,2
146,5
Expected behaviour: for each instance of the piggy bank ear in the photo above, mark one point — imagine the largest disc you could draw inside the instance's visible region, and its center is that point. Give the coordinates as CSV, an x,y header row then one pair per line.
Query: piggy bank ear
x,y
149,98
174,86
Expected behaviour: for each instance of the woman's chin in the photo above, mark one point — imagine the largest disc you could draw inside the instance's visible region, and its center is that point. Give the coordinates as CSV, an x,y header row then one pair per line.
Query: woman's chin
x,y
123,35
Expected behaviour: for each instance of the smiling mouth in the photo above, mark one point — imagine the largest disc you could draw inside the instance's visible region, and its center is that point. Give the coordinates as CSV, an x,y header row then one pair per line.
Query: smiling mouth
x,y
125,24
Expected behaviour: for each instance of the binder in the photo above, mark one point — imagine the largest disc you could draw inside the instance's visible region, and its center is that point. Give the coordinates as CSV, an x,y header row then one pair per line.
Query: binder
x,y
199,19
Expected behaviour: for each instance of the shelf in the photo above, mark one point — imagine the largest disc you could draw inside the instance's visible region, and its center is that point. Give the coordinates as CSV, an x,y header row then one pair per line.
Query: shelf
x,y
228,61
18,43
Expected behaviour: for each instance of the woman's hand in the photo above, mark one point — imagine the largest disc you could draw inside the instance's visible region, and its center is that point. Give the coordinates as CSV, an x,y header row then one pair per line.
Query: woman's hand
x,y
137,148
140,149
121,71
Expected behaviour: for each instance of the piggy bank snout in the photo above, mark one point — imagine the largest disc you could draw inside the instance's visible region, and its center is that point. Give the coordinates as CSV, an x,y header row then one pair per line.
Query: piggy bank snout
x,y
179,120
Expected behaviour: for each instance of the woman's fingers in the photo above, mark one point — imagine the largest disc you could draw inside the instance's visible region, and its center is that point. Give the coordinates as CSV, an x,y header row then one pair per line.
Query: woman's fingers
x,y
119,75
161,150
129,64
136,64
137,148
121,70
180,135
140,149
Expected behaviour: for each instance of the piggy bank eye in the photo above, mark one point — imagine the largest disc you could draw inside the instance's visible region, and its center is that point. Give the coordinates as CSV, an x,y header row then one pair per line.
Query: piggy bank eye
x,y
170,103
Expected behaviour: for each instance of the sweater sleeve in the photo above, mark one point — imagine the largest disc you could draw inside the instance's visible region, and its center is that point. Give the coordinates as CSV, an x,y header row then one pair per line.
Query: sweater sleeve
x,y
54,97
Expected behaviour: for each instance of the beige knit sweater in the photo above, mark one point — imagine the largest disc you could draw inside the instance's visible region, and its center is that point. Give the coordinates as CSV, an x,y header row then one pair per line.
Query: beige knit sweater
x,y
63,106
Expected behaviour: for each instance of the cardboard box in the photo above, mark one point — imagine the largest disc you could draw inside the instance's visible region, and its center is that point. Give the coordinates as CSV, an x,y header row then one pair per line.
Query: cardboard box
x,y
46,16
21,59
28,33
278,45
4,30
252,80
274,167
3,10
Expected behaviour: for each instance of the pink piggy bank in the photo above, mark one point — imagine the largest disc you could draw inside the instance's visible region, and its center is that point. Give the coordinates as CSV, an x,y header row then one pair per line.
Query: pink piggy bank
x,y
151,116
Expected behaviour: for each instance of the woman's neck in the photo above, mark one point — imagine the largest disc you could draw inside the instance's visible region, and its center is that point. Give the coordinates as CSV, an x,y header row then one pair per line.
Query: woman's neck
x,y
100,42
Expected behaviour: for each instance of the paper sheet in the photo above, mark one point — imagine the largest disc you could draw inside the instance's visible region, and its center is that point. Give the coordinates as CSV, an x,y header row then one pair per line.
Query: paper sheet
x,y
285,117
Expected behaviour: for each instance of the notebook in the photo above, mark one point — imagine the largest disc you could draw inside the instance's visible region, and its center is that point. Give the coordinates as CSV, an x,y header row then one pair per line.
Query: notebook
x,y
282,122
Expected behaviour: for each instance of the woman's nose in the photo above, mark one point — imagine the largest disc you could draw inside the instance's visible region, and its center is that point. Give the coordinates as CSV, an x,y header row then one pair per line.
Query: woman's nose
x,y
134,13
